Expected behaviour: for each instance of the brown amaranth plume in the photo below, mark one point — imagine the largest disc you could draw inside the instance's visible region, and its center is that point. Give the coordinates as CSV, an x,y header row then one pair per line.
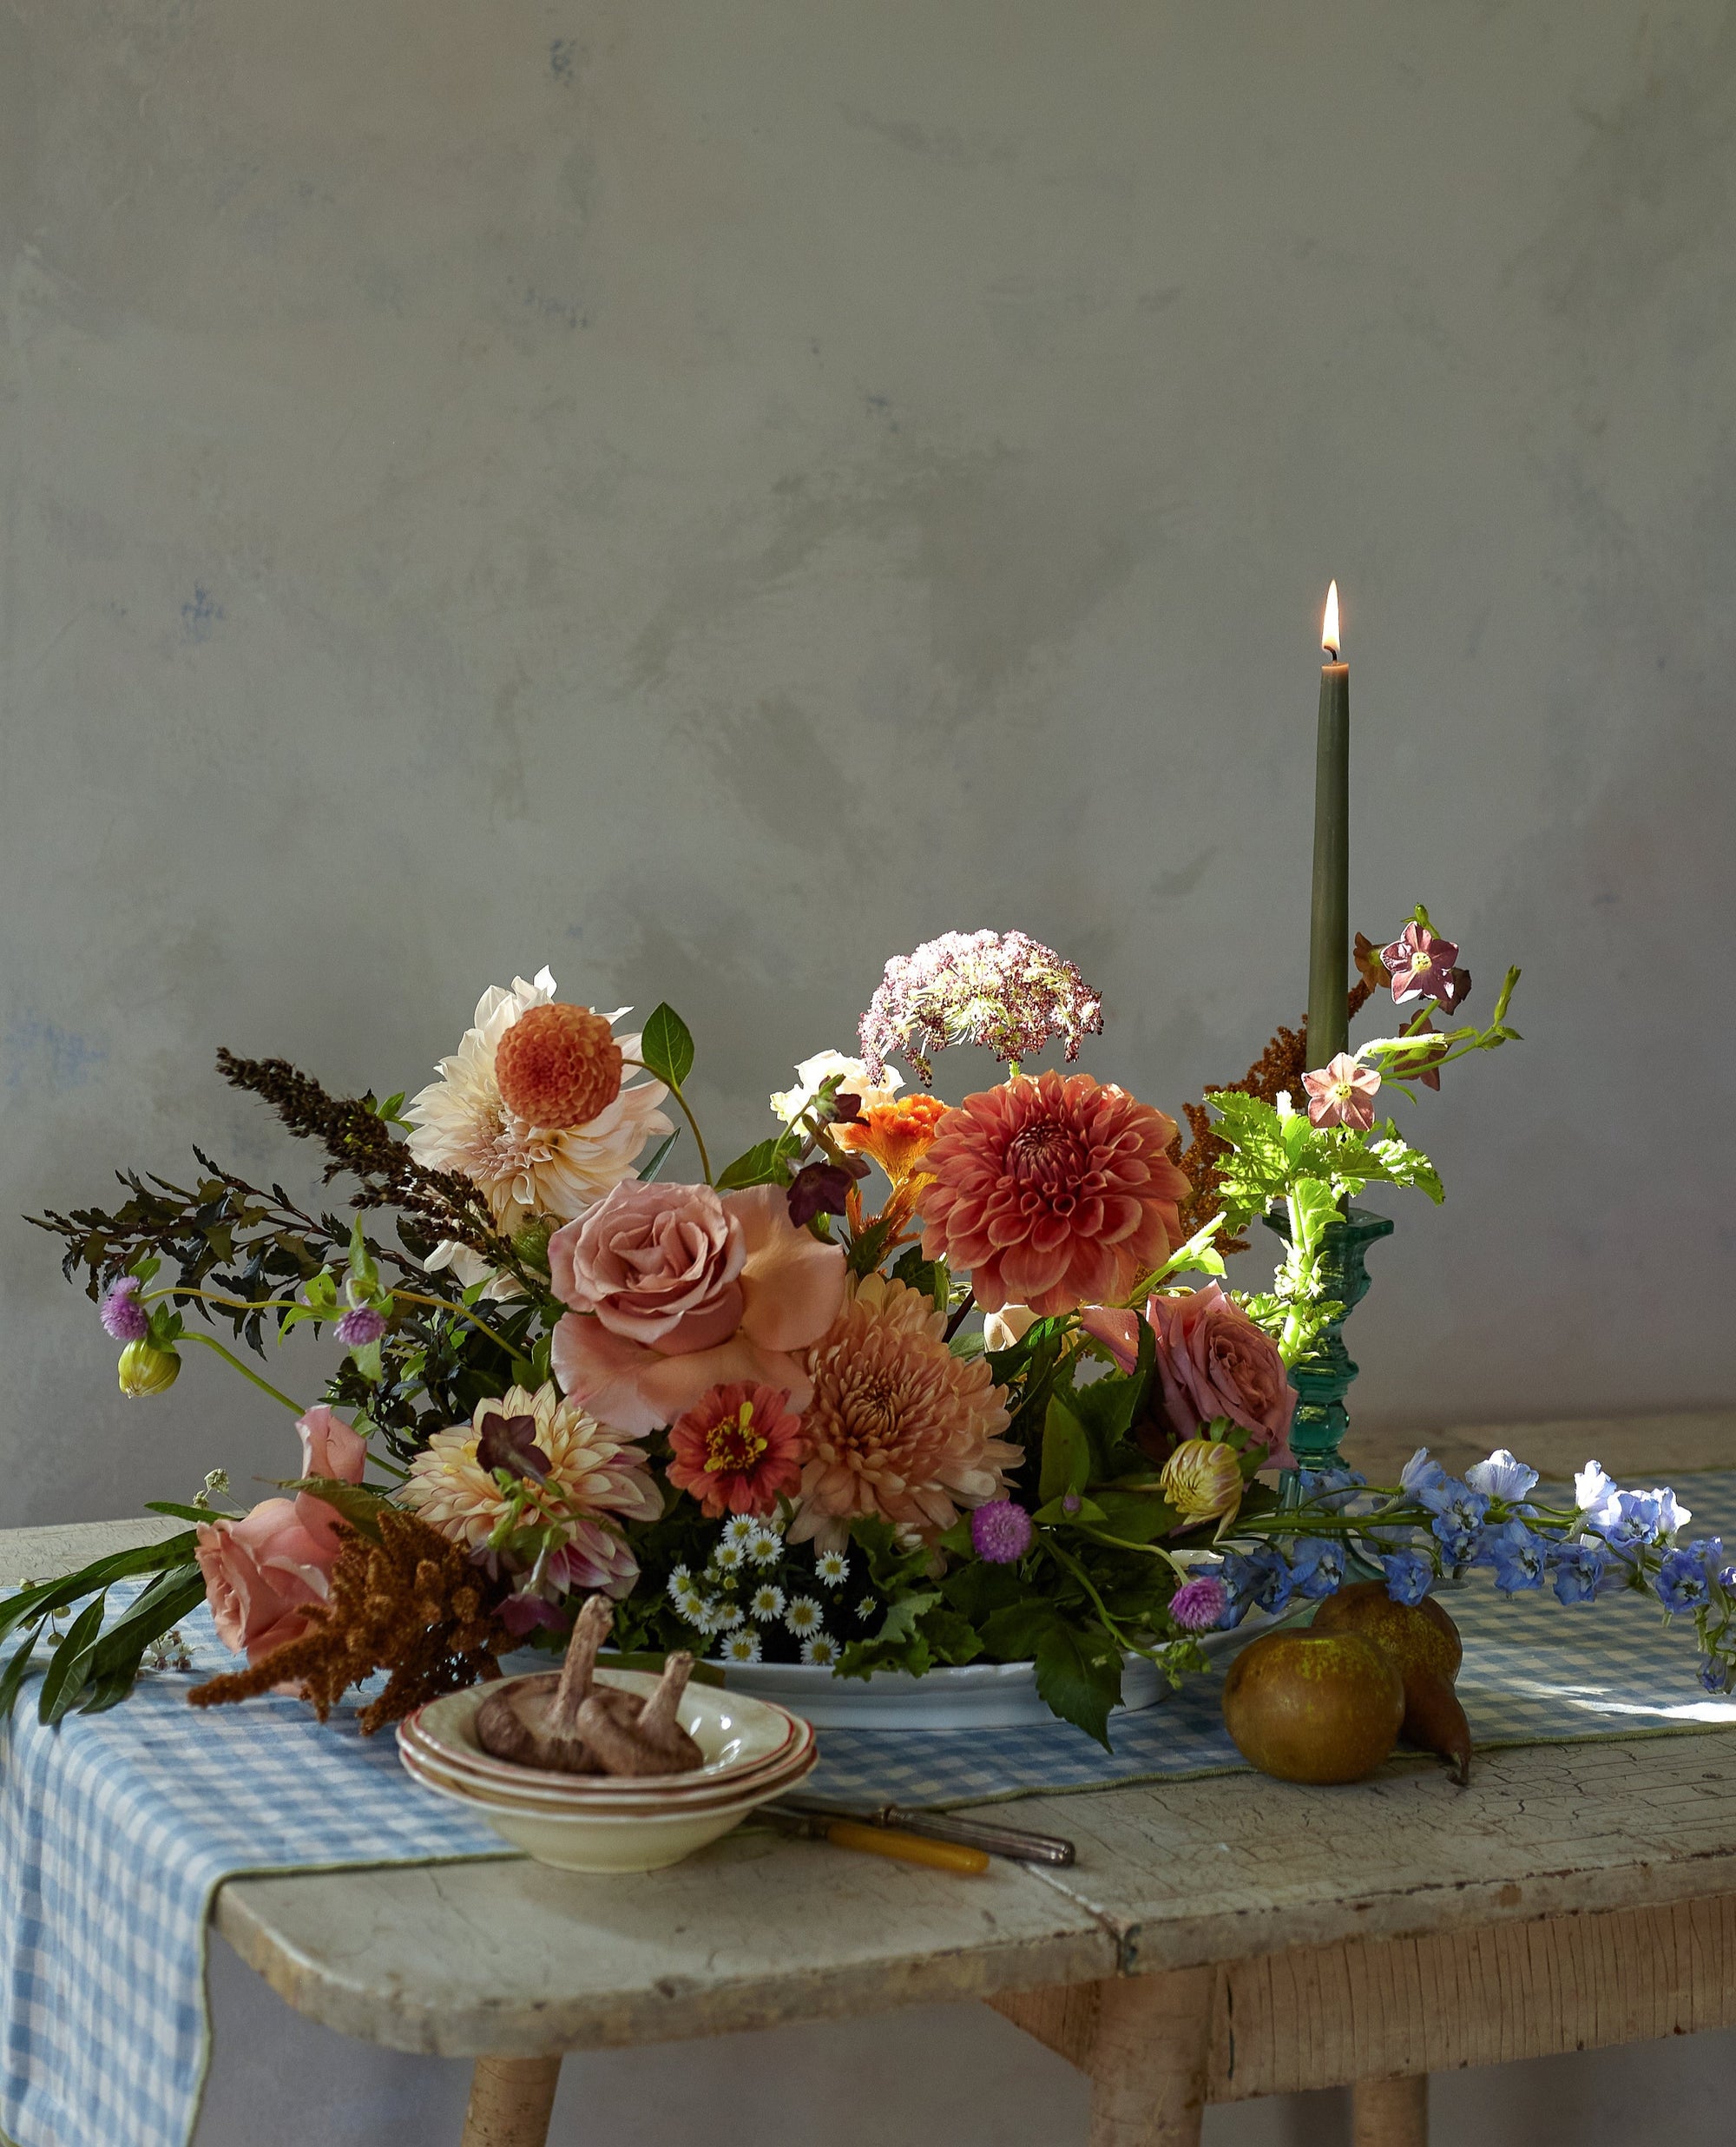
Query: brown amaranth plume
x,y
412,1603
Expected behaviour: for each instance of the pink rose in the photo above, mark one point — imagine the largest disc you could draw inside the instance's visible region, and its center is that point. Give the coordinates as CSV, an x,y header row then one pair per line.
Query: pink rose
x,y
1212,1361
332,1449
260,1572
675,1289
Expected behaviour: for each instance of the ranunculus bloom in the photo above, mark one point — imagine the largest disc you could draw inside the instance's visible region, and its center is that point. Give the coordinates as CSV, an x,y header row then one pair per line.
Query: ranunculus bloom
x,y
737,1449
1054,1193
1342,1094
1202,1478
675,1289
1212,1361
898,1426
260,1573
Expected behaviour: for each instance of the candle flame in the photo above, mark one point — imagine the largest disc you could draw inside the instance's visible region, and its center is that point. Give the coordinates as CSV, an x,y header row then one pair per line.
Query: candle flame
x,y
1329,631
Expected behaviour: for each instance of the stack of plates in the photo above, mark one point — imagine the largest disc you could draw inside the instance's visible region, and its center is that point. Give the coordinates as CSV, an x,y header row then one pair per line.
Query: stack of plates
x,y
754,1750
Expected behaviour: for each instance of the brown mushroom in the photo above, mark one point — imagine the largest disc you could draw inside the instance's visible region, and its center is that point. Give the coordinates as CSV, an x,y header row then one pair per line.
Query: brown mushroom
x,y
649,1742
533,1722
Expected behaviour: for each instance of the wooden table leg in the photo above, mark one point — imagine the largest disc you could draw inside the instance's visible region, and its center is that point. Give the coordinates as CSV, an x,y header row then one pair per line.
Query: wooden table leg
x,y
1391,2113
1143,2041
510,2102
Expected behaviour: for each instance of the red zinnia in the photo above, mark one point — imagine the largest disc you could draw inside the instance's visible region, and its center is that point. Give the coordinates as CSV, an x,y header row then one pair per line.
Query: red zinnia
x,y
1053,1194
737,1449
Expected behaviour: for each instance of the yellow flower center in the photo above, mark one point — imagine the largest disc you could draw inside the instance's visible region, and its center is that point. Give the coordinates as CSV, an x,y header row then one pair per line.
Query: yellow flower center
x,y
734,1445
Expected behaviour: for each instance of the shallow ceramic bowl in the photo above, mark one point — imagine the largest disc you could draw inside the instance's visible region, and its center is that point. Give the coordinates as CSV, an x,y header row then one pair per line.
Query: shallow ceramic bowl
x,y
590,1841
627,1806
536,1789
735,1732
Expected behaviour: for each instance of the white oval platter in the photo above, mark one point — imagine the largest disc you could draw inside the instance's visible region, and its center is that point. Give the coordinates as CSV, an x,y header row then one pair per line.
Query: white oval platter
x,y
979,1695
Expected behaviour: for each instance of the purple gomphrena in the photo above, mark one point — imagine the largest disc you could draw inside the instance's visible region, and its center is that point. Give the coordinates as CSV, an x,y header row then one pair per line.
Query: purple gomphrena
x,y
1002,1531
121,1312
360,1325
1197,1605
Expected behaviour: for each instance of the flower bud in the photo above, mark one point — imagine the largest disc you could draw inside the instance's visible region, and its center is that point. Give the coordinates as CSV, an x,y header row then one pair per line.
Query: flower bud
x,y
145,1369
1202,1478
531,1244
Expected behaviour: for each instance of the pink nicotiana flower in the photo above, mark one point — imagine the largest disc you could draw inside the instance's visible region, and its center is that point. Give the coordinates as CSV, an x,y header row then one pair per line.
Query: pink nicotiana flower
x,y
1342,1094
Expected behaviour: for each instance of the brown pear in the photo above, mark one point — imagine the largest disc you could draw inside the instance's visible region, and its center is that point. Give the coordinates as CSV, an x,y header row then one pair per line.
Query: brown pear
x,y
1313,1706
1423,1641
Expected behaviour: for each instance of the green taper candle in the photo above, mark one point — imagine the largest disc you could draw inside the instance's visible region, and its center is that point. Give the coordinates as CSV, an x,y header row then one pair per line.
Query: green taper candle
x,y
1329,946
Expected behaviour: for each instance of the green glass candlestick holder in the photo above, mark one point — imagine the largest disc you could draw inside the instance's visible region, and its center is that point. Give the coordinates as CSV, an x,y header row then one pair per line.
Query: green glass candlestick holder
x,y
1321,1384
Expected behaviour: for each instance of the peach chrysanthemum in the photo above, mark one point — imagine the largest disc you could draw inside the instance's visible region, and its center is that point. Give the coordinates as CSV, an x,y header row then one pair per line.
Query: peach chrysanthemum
x,y
591,1474
898,1426
1053,1192
461,1122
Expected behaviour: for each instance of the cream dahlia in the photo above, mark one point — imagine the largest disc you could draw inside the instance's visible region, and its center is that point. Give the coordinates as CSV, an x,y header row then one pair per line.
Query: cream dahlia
x,y
898,1426
1053,1192
584,1475
461,1122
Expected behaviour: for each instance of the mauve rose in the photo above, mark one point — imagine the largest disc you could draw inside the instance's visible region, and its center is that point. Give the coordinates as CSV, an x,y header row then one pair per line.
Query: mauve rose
x,y
1212,1361
332,1449
260,1572
675,1289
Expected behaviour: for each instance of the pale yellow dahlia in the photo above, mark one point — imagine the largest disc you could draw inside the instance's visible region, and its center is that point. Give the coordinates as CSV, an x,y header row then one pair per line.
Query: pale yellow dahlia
x,y
898,1426
582,1473
461,1123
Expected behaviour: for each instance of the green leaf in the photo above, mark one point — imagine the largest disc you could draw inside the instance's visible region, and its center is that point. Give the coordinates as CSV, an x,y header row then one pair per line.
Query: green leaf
x,y
114,1661
667,1046
900,1622
1066,1452
950,1637
53,1595
1014,1635
761,1165
647,1171
1058,1513
1137,1515
204,1514
1080,1678
69,1669
866,1252
979,1589
890,1566
19,1666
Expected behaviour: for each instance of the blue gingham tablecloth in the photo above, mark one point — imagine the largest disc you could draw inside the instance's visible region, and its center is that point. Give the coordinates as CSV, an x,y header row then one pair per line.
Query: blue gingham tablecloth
x,y
116,1829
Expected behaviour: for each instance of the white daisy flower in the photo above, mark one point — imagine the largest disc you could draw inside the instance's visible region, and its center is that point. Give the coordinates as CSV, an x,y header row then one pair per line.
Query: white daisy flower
x,y
725,1617
866,1607
689,1601
821,1651
741,1528
767,1602
726,1556
832,1567
704,1614
765,1546
681,1580
804,1617
740,1648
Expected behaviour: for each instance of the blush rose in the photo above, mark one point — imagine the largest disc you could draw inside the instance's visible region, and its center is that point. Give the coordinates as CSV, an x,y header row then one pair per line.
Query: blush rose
x,y
675,1289
1212,1361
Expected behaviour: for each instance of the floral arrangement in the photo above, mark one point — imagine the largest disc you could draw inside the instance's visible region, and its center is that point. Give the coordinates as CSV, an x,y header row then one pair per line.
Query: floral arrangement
x,y
904,1384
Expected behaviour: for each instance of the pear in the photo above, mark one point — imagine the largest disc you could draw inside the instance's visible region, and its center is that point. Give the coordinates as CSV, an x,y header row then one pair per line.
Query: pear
x,y
1313,1706
1423,1641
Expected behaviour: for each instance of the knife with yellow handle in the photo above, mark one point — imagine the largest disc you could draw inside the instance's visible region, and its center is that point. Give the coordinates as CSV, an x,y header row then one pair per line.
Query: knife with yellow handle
x,y
877,1841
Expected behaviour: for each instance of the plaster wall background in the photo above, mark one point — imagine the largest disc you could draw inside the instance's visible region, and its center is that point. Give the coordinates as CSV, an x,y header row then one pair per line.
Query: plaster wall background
x,y
707,496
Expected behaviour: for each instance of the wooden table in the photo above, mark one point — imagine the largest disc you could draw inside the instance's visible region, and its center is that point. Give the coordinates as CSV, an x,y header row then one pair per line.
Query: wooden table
x,y
1216,1939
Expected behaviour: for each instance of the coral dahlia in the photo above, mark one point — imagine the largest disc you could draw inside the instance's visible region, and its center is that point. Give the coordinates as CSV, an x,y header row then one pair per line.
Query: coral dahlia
x,y
898,1426
585,1474
1054,1193
737,1449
